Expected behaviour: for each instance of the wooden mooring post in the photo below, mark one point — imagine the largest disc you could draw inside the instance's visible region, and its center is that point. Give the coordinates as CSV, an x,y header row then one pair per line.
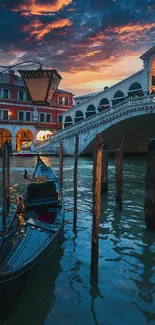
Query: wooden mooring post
x,y
61,165
97,173
104,185
75,180
119,159
5,181
149,205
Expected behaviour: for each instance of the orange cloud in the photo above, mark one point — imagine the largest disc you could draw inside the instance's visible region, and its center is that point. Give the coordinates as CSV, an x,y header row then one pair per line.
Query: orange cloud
x,y
39,29
133,28
33,8
82,55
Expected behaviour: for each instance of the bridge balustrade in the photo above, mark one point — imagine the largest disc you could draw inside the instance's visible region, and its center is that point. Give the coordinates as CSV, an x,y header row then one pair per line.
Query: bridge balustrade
x,y
107,114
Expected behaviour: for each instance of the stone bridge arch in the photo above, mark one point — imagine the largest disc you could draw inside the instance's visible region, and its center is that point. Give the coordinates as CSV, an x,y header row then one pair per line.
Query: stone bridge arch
x,y
103,104
78,116
118,97
89,135
135,89
68,121
90,111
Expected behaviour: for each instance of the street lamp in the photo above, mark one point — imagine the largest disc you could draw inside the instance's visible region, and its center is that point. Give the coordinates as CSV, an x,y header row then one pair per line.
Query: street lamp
x,y
41,84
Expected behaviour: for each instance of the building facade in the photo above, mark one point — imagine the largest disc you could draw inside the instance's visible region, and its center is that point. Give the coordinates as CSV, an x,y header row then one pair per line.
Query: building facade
x,y
23,123
136,85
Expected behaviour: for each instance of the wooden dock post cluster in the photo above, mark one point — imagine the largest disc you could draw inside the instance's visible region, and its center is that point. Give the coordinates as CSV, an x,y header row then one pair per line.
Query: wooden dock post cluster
x,y
149,205
119,159
5,181
100,185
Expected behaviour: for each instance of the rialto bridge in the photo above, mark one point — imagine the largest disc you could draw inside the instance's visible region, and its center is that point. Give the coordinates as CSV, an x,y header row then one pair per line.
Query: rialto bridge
x,y
134,119
124,110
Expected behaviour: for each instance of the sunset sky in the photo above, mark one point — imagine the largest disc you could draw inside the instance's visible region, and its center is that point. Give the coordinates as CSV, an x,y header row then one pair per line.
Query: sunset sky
x,y
92,43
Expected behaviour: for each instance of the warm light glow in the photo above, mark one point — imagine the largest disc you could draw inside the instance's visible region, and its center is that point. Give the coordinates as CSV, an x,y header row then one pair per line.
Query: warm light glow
x,y
43,135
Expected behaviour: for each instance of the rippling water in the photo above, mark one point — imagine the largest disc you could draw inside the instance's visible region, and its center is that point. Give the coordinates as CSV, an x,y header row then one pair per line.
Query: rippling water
x,y
61,293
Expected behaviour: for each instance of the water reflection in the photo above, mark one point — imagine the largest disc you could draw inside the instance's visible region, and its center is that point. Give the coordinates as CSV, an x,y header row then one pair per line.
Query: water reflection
x,y
125,292
36,301
146,282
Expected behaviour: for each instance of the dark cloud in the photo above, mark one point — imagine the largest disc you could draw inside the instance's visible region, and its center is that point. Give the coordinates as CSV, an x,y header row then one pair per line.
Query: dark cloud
x,y
75,35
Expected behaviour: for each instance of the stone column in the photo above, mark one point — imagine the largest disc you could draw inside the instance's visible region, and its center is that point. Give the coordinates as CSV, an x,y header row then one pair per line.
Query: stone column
x,y
13,142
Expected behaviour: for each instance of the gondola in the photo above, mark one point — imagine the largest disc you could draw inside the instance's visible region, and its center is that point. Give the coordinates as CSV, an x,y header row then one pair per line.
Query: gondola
x,y
36,228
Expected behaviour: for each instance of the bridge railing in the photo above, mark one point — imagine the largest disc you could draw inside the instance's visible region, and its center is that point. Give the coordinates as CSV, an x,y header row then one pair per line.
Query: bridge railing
x,y
109,112
115,109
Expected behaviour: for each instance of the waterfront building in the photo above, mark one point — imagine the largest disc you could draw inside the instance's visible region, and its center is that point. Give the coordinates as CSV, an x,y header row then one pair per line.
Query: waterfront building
x,y
23,123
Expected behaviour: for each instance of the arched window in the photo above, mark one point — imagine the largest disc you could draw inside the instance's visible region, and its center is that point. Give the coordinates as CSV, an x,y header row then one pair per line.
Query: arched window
x,y
90,111
135,90
118,97
78,116
104,104
68,121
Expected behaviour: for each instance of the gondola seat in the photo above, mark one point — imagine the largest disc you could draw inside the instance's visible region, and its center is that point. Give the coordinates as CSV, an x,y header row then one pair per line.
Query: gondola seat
x,y
41,195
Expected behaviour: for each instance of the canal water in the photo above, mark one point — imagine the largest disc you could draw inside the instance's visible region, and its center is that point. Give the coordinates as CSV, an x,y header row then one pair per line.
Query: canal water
x,y
60,292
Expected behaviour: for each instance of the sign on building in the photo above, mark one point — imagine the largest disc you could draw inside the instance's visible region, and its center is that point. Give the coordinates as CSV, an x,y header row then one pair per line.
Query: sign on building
x,y
41,84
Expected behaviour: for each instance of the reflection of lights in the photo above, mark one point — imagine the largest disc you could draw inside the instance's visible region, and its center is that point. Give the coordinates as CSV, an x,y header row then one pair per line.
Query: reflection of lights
x,y
9,113
43,135
63,99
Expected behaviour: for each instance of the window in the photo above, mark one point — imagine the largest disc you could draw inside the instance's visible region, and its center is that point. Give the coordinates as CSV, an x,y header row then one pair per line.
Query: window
x,y
21,95
42,117
28,97
28,116
60,100
48,118
59,118
66,101
6,93
0,114
6,115
21,116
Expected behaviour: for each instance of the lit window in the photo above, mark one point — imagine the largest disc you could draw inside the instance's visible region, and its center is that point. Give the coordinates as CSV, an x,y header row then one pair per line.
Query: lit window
x,y
21,95
66,101
60,100
6,115
28,116
42,117
48,118
59,118
21,116
6,93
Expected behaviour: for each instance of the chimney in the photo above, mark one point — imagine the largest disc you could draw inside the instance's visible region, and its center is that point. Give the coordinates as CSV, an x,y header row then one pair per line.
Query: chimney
x,y
11,77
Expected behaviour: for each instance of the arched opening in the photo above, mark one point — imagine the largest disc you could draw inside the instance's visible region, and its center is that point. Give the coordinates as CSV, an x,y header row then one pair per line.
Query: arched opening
x,y
153,76
5,135
135,90
78,116
43,135
104,104
118,97
68,121
24,138
91,111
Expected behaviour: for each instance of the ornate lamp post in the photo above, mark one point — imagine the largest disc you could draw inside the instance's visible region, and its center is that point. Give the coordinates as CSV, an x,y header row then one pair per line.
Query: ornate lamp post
x,y
41,84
